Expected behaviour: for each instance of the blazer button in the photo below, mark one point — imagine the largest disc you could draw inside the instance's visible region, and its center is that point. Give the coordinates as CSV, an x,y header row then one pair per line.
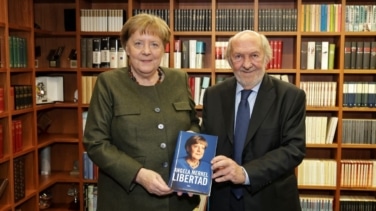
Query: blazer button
x,y
163,145
165,164
157,110
160,126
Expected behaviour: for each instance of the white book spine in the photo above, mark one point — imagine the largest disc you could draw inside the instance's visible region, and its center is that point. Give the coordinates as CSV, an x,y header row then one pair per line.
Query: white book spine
x,y
324,55
311,55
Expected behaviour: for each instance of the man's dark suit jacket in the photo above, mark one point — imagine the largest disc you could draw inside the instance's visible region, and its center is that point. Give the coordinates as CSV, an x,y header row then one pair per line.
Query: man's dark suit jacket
x,y
275,143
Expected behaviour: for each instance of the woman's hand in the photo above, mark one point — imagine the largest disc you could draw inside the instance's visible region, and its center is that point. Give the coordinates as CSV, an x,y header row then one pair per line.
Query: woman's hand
x,y
153,182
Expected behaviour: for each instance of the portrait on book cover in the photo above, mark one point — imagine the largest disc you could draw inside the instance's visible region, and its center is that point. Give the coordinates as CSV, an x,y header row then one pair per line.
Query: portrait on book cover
x,y
191,171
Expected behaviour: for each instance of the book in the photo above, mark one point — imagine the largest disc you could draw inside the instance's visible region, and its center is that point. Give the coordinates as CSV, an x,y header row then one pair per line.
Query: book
x,y
3,185
200,54
332,126
303,55
332,49
192,173
372,62
105,52
114,48
49,89
177,54
347,54
311,55
122,56
96,52
324,55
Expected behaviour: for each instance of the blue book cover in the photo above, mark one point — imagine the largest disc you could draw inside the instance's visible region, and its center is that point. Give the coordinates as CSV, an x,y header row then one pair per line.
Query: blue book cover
x,y
191,168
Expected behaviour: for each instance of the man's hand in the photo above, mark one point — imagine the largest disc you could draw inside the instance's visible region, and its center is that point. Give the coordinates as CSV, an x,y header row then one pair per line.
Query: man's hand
x,y
226,169
153,182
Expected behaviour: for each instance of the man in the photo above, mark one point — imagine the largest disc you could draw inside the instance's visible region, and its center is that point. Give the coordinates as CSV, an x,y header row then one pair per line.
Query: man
x,y
274,140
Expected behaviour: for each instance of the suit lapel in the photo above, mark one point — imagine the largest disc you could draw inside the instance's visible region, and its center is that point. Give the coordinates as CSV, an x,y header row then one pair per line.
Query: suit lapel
x,y
265,99
228,99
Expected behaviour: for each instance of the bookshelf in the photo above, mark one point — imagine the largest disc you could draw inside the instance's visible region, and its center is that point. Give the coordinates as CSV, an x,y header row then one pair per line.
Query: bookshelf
x,y
59,125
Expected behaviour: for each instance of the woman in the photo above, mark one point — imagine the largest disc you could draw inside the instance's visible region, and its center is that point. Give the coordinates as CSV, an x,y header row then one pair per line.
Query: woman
x,y
195,148
133,121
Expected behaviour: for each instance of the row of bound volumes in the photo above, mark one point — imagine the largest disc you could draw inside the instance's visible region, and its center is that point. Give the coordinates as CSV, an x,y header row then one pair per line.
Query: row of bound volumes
x,y
164,14
360,55
19,178
358,173
198,86
88,83
350,203
320,129
102,52
22,96
17,135
317,172
320,93
317,55
359,94
234,19
95,20
277,49
192,20
359,131
90,197
360,18
17,52
189,53
90,168
316,202
321,17
277,19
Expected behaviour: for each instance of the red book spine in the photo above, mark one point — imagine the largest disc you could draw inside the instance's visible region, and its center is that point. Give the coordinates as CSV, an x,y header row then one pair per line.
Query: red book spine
x,y
279,54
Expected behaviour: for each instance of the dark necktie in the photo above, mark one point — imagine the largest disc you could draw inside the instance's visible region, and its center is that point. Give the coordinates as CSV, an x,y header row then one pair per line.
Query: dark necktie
x,y
241,128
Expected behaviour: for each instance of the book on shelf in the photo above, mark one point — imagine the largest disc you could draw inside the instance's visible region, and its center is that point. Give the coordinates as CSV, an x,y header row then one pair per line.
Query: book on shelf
x,y
19,178
347,58
332,50
96,51
49,89
324,55
353,55
332,126
191,169
372,60
359,55
17,135
177,54
200,54
45,161
185,54
105,52
366,55
122,56
192,53
311,55
114,48
3,185
165,61
303,55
